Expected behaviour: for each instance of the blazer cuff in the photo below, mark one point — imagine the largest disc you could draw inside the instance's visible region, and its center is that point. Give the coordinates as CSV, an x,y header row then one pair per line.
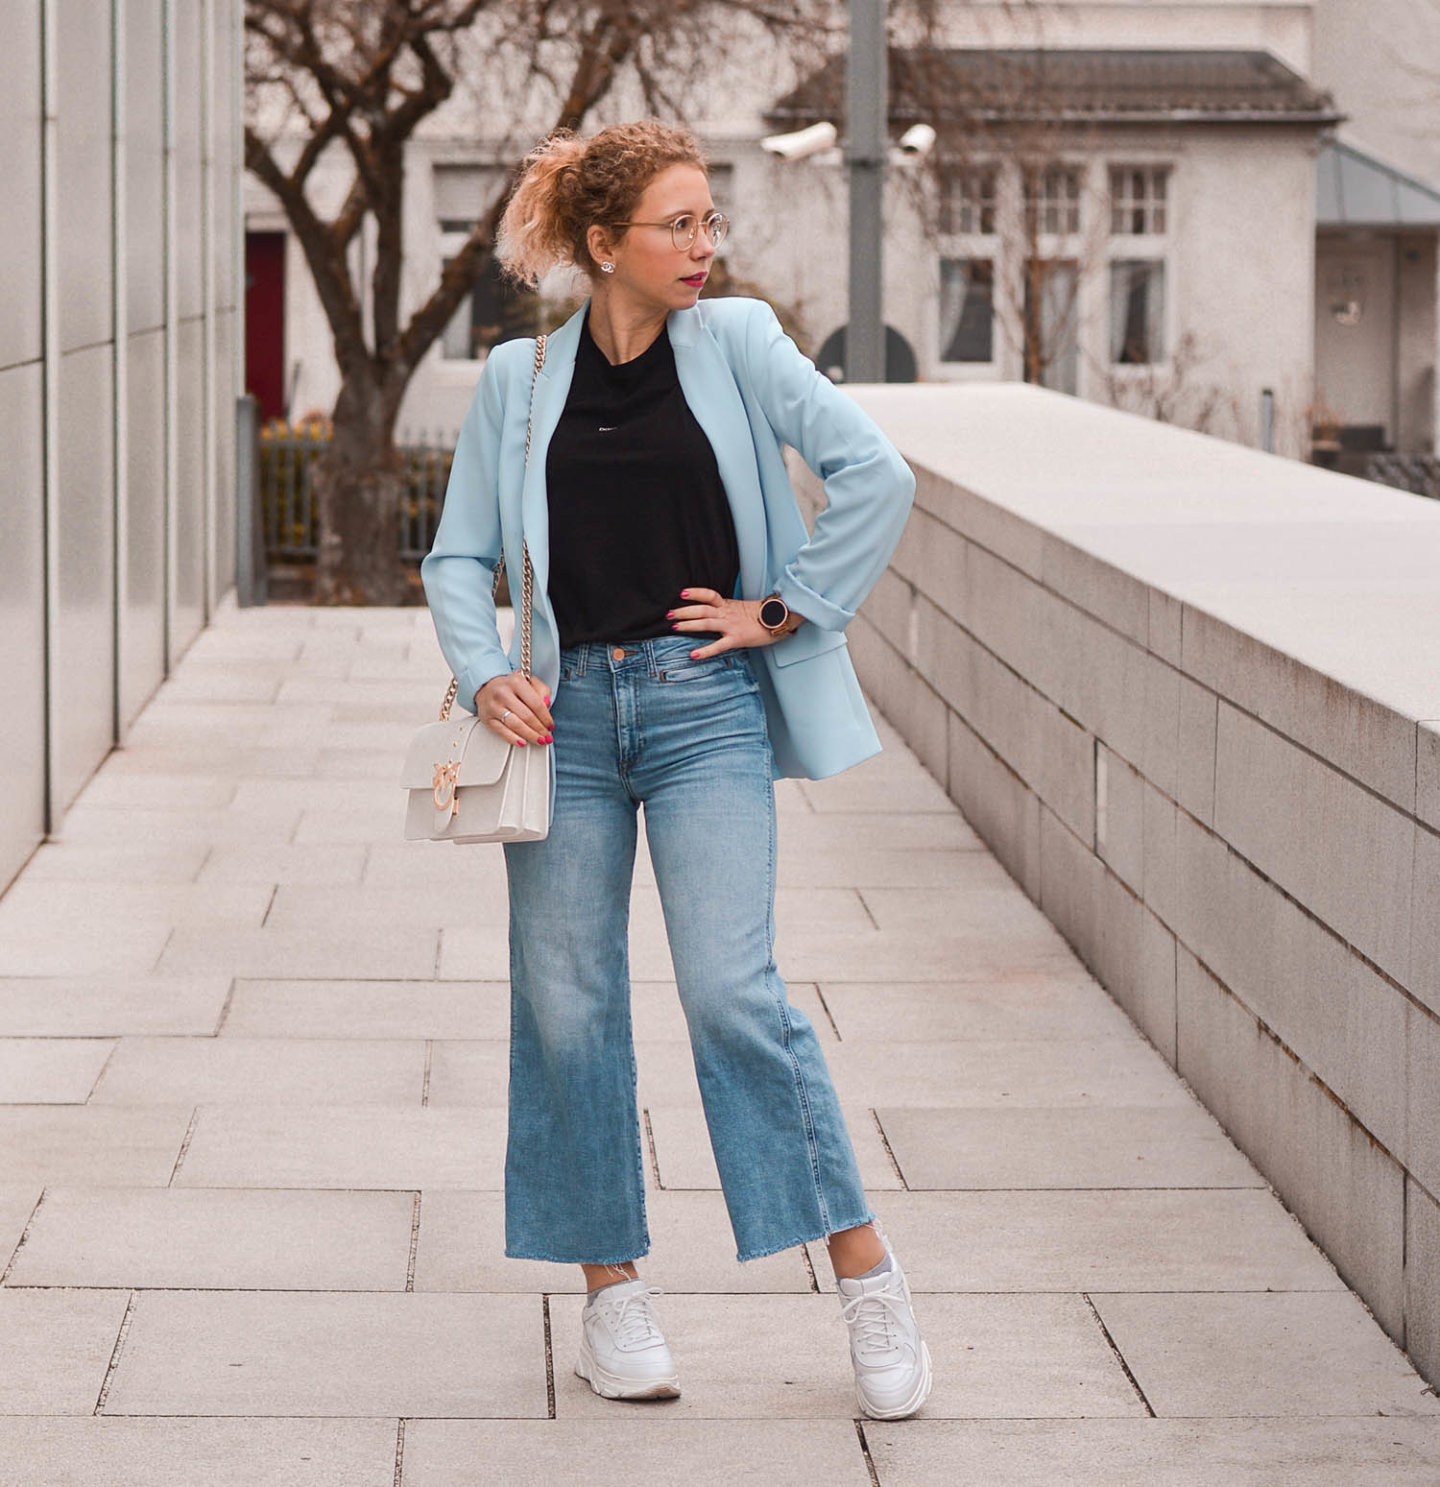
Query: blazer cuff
x,y
815,607
476,674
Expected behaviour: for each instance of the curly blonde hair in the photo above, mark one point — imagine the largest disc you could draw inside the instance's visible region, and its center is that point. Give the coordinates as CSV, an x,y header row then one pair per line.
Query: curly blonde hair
x,y
568,184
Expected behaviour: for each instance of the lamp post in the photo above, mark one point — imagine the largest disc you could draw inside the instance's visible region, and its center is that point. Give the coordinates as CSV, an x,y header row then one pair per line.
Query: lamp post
x,y
866,100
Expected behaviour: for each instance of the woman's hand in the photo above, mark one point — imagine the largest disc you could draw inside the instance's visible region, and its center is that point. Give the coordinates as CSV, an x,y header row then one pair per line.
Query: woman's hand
x,y
517,707
736,620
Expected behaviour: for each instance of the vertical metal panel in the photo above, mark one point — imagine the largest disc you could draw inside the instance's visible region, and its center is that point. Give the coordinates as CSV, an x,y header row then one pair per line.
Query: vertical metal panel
x,y
188,83
119,429
22,607
20,183
171,200
142,654
223,521
187,606
208,587
142,402
83,644
144,141
83,230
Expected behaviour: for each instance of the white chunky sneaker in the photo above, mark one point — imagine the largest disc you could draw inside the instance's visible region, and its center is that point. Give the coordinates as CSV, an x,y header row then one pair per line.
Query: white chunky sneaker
x,y
622,1352
892,1363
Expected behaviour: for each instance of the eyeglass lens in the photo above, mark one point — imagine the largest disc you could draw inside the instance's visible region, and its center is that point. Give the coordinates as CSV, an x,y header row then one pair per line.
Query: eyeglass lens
x,y
683,229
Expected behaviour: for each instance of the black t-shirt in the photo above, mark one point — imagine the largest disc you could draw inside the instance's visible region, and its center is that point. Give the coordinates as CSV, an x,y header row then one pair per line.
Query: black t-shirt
x,y
637,508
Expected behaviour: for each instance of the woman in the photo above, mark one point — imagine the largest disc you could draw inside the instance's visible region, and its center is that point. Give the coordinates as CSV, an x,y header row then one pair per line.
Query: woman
x,y
653,499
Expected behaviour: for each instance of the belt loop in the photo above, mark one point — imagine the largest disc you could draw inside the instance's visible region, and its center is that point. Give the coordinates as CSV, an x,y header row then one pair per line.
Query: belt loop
x,y
652,664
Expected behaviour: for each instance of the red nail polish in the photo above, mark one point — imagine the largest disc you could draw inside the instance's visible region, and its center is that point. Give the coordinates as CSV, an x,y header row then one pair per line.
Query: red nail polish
x,y
694,655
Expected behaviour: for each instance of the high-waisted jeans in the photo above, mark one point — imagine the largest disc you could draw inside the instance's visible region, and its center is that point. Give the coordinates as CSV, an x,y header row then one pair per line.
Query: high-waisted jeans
x,y
644,724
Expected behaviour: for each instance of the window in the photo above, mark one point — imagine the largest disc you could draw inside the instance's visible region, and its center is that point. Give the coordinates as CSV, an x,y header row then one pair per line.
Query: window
x,y
1137,312
1138,200
967,202
495,310
1052,200
1052,348
967,309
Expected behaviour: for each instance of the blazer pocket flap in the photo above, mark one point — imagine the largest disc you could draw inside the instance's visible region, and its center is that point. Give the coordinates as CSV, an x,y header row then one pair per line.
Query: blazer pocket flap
x,y
465,744
808,641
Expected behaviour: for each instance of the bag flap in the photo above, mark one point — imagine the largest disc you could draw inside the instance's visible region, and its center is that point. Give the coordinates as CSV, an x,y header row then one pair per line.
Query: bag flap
x,y
465,741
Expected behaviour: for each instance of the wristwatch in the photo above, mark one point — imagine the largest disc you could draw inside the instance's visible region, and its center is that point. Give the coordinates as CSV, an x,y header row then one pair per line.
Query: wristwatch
x,y
775,615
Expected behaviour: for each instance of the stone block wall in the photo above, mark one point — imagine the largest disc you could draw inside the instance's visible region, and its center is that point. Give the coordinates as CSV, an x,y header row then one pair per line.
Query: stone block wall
x,y
1160,677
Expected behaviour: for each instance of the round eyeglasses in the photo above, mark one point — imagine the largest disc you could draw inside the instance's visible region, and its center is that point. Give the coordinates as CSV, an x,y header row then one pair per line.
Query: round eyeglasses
x,y
684,228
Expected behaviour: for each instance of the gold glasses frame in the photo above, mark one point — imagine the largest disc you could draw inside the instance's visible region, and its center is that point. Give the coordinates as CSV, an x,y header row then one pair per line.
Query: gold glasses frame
x,y
716,226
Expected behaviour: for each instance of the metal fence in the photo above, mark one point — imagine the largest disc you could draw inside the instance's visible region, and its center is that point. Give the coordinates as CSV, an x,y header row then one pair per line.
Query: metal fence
x,y
286,462
1417,473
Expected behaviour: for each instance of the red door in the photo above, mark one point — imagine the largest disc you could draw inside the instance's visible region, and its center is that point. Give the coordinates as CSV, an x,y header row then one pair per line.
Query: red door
x,y
265,321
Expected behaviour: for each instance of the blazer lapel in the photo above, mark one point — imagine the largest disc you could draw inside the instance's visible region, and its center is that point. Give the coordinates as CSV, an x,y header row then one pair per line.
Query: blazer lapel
x,y
710,389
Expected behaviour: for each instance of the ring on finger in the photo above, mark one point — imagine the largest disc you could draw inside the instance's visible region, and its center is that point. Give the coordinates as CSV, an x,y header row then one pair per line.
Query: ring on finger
x,y
505,714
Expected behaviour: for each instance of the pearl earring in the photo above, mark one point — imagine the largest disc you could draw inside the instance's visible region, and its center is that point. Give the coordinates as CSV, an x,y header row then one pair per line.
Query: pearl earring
x,y
607,268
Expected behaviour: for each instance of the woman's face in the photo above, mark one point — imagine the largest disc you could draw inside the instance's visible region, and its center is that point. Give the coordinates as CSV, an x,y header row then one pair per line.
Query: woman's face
x,y
650,271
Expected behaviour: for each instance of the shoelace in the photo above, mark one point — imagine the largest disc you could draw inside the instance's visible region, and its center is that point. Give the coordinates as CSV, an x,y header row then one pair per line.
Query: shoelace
x,y
631,1319
873,1321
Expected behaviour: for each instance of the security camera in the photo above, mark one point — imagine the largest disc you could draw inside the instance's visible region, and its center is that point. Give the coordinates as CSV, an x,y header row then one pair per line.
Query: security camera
x,y
918,139
802,142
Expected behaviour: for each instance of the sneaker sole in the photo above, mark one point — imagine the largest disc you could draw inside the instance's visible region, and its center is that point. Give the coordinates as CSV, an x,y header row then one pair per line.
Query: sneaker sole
x,y
903,1411
611,1386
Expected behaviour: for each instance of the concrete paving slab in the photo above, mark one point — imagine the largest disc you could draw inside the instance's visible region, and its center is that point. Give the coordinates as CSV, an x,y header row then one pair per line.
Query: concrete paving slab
x,y
201,1238
121,949
262,1071
992,1354
298,907
995,908
85,1452
1047,1072
645,1448
940,1011
470,1072
379,950
877,866
50,1071
131,862
1163,1240
317,1146
462,1244
90,1144
103,910
1156,1453
106,1007
1270,1354
56,1346
682,1148
17,1203
368,1009
875,955
1130,1147
103,826
330,1354
282,862
156,791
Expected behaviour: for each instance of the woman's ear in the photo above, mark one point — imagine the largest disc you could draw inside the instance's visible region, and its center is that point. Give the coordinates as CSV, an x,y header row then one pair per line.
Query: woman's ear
x,y
600,243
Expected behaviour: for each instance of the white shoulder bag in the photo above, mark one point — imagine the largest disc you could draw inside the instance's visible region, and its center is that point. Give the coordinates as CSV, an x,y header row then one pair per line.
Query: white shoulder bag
x,y
464,782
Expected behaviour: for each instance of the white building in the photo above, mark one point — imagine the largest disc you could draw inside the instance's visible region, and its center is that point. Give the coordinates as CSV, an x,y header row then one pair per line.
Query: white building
x,y
1144,205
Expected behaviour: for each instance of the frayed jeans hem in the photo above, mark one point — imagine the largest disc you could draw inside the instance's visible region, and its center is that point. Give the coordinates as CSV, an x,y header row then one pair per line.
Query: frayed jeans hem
x,y
785,1244
511,1254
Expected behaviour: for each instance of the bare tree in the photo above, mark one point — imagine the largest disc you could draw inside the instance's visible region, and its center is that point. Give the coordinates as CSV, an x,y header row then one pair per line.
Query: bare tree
x,y
359,77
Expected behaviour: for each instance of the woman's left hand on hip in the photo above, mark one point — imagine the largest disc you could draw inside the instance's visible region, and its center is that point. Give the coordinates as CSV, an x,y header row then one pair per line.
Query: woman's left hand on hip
x,y
737,622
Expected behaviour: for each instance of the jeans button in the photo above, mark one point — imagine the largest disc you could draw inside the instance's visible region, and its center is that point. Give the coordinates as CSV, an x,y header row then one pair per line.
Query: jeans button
x,y
618,654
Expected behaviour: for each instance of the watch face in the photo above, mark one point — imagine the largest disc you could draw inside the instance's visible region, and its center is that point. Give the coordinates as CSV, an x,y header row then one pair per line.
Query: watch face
x,y
773,613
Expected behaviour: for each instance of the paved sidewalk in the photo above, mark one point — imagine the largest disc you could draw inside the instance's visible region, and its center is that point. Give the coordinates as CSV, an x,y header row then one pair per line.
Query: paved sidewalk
x,y
253,1063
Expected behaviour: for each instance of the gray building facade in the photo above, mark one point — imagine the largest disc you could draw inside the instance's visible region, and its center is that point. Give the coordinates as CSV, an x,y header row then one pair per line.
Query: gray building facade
x,y
120,339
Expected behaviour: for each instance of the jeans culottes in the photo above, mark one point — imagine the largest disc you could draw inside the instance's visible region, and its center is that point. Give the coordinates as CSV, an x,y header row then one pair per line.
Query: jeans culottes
x,y
644,724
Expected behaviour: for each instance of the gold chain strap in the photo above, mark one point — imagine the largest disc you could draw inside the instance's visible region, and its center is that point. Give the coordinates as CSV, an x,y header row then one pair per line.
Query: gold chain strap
x,y
527,581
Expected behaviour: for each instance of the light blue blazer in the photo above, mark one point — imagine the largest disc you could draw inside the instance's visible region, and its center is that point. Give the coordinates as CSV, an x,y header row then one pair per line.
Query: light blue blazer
x,y
752,391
